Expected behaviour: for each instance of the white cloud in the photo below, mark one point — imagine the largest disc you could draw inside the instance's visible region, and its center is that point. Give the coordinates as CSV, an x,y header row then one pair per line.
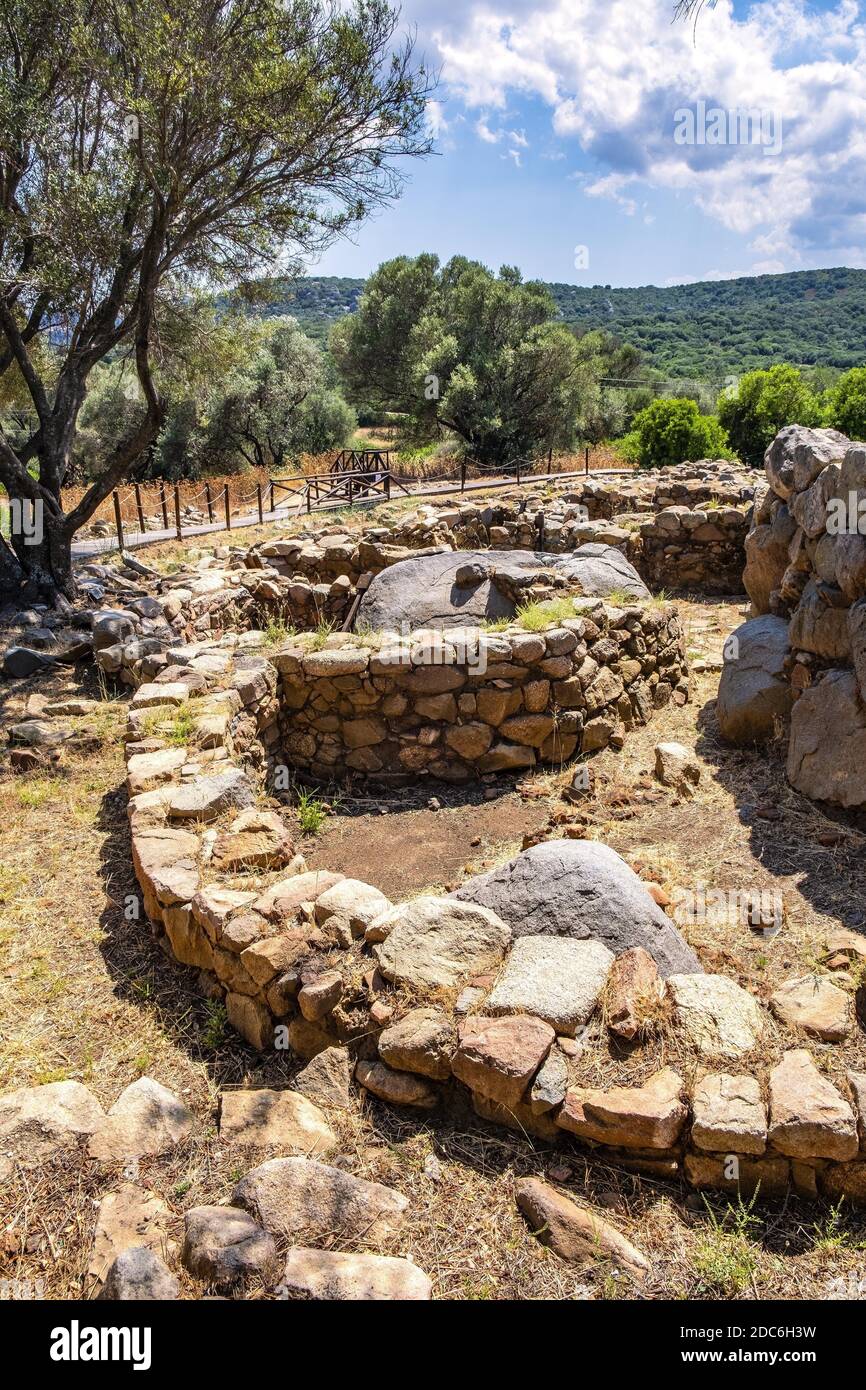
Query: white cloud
x,y
614,75
483,131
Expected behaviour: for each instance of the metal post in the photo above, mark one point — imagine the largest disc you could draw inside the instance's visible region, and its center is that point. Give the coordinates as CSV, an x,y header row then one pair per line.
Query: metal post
x,y
163,504
117,520
139,507
209,500
259,500
177,526
228,509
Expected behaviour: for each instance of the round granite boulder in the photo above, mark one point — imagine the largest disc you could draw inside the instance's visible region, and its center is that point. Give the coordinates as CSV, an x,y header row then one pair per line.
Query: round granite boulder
x,y
457,588
581,889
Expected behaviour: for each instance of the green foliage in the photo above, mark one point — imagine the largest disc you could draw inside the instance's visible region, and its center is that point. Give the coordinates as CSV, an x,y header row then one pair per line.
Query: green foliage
x,y
457,348
669,431
312,812
277,406
726,1256
155,151
704,330
761,404
845,404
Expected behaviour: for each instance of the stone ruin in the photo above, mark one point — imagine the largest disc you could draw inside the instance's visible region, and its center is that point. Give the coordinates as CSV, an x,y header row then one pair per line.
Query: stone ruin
x,y
488,996
798,667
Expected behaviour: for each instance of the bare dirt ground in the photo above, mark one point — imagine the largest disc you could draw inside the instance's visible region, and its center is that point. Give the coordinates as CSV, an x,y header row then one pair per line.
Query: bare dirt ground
x,y
86,994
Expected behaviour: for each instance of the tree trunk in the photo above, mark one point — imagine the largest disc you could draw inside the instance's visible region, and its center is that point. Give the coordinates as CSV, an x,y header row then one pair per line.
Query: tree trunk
x,y
37,572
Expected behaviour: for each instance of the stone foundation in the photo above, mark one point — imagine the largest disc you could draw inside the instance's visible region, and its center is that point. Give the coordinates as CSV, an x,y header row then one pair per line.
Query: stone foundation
x,y
464,703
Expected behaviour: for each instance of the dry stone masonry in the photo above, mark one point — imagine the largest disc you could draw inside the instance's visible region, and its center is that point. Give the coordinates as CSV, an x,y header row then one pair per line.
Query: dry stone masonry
x,y
800,663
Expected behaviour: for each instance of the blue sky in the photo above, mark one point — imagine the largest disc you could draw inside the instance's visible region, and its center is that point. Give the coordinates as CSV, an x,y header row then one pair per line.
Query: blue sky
x,y
597,143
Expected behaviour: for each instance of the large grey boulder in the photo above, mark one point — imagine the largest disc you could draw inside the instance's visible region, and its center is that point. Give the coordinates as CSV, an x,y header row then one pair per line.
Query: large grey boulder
x,y
424,590
827,747
820,623
798,454
601,570
754,690
580,889
767,556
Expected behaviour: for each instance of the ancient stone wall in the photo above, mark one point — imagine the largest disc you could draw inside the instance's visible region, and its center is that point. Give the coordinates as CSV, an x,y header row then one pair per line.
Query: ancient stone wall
x,y
479,997
468,702
804,654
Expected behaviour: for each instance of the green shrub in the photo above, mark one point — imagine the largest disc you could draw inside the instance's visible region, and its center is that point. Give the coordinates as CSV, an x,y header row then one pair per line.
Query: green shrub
x,y
670,431
762,403
846,404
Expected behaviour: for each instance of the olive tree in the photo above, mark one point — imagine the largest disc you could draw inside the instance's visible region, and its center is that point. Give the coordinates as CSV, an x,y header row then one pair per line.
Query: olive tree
x,y
149,148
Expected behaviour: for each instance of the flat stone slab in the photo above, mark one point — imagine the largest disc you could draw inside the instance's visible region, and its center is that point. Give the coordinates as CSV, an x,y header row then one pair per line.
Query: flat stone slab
x,y
553,978
629,1117
729,1114
325,1079
498,1057
634,993
437,943
128,1218
424,590
205,798
303,1199
719,1018
812,1003
145,771
580,889
145,1119
166,863
755,694
827,746
160,693
808,1116
334,1276
423,1042
395,1087
281,1120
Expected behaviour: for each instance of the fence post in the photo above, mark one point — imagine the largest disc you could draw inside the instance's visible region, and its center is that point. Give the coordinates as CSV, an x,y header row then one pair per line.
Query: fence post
x,y
177,525
272,494
139,507
388,484
518,470
351,475
209,500
586,457
309,497
163,504
259,500
228,509
463,474
117,520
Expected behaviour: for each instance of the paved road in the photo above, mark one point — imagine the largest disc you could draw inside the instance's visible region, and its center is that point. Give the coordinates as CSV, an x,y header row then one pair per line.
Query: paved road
x,y
134,540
